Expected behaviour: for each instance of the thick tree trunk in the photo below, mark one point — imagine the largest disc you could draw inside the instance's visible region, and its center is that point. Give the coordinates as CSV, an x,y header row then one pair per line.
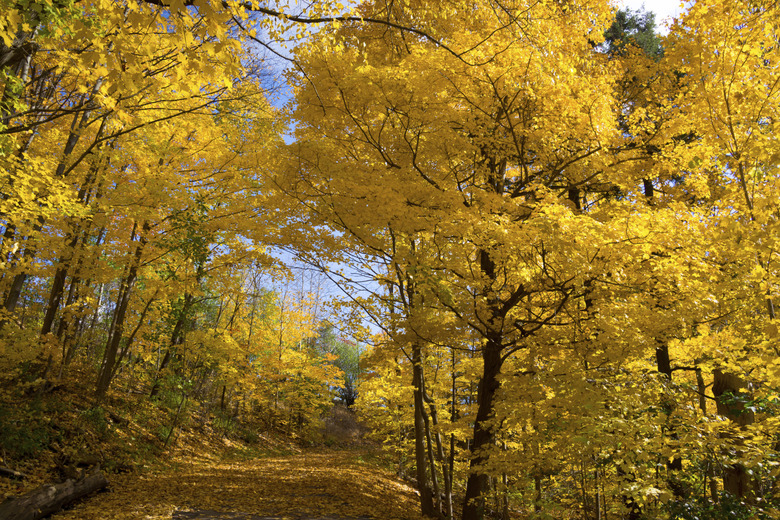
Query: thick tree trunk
x,y
477,484
48,499
726,389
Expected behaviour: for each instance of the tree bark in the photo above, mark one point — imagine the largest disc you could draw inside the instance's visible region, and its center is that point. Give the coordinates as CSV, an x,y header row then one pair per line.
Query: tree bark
x,y
48,499
477,483
726,389
426,495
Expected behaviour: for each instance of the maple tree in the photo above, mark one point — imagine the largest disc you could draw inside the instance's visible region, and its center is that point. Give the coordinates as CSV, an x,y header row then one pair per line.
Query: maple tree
x,y
537,203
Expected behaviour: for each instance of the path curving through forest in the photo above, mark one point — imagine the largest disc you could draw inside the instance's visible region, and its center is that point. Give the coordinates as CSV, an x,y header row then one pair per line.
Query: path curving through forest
x,y
313,485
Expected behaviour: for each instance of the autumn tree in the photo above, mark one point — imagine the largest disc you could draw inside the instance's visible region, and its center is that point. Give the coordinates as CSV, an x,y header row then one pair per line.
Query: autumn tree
x,y
478,161
729,112
542,189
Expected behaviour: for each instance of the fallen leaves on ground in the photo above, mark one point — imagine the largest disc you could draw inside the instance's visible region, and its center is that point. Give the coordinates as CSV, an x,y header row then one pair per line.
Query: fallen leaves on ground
x,y
322,484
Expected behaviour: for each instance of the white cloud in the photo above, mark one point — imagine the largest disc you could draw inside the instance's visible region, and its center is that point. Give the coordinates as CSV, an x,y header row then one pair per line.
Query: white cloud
x,y
665,10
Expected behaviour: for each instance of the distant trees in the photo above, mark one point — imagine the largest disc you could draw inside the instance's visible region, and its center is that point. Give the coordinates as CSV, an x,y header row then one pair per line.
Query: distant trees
x,y
345,354
633,30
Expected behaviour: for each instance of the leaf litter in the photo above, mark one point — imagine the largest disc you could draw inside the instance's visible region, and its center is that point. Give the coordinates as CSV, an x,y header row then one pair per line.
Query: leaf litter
x,y
321,485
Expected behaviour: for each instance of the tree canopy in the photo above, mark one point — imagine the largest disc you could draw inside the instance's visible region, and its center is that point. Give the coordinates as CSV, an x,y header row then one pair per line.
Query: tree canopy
x,y
553,228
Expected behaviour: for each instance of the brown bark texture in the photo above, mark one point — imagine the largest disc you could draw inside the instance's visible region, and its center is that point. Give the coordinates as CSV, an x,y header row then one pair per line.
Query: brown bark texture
x,y
50,498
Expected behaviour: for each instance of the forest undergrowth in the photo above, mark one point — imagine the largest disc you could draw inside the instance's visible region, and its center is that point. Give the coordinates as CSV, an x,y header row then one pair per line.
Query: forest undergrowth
x,y
157,464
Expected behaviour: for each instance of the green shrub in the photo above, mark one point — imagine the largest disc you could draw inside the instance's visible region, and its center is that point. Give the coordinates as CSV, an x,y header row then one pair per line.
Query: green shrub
x,y
728,507
95,419
22,438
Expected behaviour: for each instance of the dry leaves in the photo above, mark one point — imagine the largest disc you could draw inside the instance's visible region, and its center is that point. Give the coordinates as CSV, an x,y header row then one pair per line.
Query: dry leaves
x,y
330,484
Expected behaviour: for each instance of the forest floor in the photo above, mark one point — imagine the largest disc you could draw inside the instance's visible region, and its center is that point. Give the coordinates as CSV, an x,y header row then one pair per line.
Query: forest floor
x,y
325,484
207,467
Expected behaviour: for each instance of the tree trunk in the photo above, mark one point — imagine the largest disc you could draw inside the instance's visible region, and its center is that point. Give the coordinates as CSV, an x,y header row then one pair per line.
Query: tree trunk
x,y
426,496
673,466
17,283
123,301
537,493
48,499
432,465
477,484
446,508
57,286
177,338
76,234
726,389
131,337
710,472
80,121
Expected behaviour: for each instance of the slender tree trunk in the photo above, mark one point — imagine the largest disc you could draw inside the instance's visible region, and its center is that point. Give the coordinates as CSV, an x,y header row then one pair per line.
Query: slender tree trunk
x,y
68,347
123,300
426,496
80,121
710,472
177,338
673,466
445,472
432,462
634,509
537,493
597,490
17,283
58,282
505,497
131,337
55,295
451,459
